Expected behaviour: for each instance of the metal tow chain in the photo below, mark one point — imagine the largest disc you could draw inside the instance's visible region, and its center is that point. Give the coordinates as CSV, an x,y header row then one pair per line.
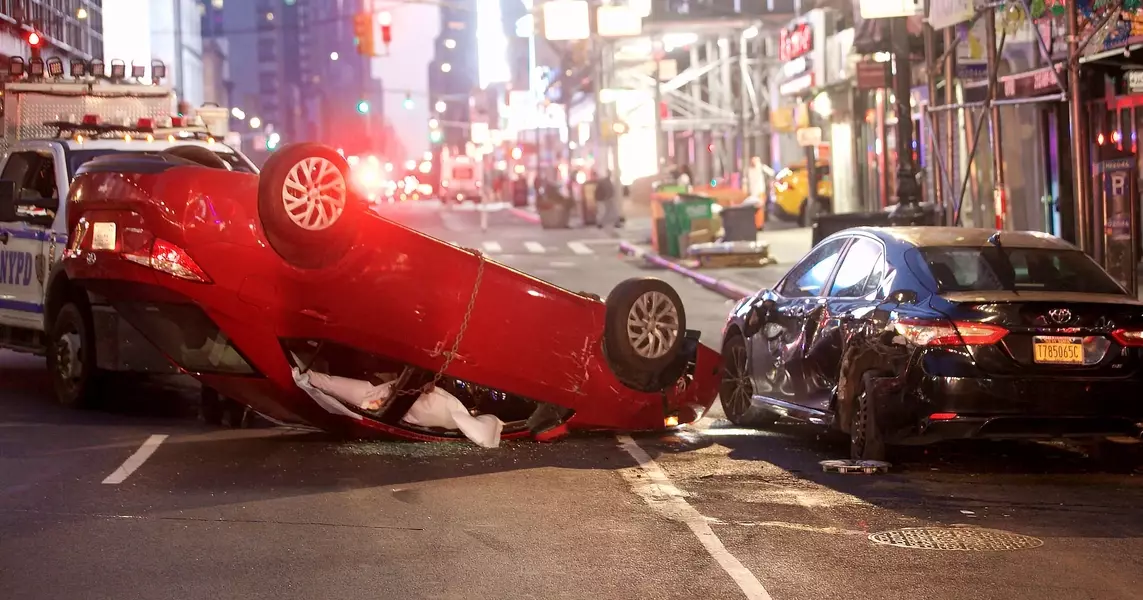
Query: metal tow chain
x,y
452,354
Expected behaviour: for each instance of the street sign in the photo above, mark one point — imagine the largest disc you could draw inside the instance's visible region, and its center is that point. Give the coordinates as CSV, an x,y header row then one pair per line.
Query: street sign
x,y
1135,82
946,13
809,136
887,9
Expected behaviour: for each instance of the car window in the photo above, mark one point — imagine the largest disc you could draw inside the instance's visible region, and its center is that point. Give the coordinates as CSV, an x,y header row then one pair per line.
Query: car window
x,y
856,268
35,176
808,277
990,268
873,283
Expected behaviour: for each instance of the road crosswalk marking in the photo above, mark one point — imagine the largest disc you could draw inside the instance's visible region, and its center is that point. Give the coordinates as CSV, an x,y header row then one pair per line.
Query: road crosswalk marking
x,y
535,247
579,248
492,247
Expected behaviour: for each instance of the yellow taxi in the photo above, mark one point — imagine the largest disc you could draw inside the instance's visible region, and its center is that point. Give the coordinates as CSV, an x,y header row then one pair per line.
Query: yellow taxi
x,y
792,192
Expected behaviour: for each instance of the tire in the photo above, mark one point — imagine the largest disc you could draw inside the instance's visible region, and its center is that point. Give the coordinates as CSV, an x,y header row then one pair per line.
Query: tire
x,y
71,358
865,439
736,390
212,407
302,237
639,362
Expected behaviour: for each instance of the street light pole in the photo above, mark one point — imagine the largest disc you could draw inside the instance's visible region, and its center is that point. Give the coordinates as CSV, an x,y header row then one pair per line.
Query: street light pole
x,y
908,194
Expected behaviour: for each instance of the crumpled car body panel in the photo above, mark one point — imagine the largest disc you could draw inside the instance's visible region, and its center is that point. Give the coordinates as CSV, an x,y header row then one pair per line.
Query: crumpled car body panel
x,y
397,293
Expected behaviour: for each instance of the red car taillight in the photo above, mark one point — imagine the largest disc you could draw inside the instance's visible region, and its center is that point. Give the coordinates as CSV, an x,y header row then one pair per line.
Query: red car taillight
x,y
1131,338
164,256
948,333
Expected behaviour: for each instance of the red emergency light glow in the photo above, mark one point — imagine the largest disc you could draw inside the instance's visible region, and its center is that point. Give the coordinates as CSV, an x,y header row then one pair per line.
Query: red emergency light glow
x,y
34,39
146,124
90,120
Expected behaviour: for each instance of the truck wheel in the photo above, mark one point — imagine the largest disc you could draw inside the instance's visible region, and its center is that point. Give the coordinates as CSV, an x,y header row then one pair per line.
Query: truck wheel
x,y
71,358
643,331
305,205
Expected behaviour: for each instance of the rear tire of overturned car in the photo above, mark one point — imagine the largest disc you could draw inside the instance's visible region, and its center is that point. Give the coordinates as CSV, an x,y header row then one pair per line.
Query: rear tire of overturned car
x,y
643,331
305,205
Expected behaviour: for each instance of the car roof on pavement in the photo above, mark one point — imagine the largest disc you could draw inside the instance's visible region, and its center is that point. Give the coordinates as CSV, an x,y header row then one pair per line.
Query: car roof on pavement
x,y
923,237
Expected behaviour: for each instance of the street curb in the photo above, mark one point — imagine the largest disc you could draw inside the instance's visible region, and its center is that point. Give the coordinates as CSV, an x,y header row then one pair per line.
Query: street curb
x,y
526,215
722,287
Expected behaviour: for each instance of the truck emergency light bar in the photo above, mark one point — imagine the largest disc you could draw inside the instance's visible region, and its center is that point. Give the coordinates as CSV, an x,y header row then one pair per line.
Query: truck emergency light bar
x,y
91,126
53,68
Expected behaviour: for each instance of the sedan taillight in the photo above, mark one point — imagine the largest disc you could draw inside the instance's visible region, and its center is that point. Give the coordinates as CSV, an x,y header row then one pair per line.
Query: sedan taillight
x,y
1131,338
940,332
164,256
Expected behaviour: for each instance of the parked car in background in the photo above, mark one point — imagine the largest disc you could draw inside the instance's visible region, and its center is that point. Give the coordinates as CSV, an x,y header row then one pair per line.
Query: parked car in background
x,y
916,335
792,194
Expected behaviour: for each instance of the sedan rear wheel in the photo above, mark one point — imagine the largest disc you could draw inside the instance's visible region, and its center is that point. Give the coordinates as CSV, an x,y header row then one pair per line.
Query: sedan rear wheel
x,y
865,440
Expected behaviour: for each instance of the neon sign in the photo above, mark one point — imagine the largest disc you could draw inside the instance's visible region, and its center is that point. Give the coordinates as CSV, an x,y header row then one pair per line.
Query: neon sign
x,y
794,41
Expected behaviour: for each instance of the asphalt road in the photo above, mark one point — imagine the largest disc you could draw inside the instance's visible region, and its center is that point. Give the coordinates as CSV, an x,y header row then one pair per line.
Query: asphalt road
x,y
705,512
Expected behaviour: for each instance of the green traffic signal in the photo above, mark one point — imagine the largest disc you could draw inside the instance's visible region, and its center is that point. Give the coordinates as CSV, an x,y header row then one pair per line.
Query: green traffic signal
x,y
408,104
435,136
363,107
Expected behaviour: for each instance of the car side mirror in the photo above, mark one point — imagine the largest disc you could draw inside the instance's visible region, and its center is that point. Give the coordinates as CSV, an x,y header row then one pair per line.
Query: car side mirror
x,y
903,297
7,201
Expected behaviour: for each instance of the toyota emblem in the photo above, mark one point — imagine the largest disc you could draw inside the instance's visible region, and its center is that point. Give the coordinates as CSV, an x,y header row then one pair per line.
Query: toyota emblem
x,y
1060,315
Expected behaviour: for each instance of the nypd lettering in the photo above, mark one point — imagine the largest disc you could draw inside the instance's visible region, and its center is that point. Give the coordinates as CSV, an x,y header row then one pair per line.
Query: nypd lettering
x,y
16,268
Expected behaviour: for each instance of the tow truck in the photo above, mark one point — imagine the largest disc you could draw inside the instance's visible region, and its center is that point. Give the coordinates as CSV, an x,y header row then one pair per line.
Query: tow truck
x,y
49,128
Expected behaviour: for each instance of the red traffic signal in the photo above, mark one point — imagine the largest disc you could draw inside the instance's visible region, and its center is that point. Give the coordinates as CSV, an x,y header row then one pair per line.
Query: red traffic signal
x,y
386,21
35,40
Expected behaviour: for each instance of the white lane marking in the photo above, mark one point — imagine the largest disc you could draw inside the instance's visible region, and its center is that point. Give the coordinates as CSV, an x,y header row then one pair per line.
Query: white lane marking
x,y
535,247
136,460
563,264
492,247
580,248
662,495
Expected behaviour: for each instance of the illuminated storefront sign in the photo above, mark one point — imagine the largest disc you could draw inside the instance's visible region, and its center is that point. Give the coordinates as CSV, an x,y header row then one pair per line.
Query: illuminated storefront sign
x,y
804,58
795,41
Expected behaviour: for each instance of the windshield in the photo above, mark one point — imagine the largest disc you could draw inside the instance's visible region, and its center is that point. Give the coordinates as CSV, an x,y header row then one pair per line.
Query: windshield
x,y
79,157
959,269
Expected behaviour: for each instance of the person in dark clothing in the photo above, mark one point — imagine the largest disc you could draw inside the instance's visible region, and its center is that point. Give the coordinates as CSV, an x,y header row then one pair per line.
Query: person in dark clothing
x,y
606,198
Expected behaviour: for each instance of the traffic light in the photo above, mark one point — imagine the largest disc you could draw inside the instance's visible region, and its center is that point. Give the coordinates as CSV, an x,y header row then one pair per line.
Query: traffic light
x,y
386,21
363,107
35,40
408,103
363,33
435,136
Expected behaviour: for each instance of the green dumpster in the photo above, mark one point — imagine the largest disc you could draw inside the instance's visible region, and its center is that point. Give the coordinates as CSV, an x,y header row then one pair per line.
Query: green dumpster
x,y
680,217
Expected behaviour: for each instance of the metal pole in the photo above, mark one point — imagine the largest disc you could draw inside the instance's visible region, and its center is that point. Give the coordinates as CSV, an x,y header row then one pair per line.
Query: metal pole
x,y
950,124
1000,205
908,193
660,137
931,77
1081,166
743,73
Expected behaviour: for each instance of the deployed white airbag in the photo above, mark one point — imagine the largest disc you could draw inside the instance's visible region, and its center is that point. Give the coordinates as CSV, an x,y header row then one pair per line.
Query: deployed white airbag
x,y
437,408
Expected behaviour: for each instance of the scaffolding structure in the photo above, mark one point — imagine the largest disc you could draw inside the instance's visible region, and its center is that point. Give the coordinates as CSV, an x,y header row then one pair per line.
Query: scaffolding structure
x,y
950,190
720,100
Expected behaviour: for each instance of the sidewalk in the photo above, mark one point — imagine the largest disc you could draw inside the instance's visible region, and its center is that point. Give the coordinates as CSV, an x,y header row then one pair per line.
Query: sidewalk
x,y
787,246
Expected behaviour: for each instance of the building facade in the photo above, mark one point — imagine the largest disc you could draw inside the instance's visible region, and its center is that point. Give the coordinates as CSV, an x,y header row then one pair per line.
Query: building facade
x,y
71,28
454,73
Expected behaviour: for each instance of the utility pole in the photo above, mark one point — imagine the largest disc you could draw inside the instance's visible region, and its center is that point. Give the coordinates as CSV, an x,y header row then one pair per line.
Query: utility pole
x,y
1000,203
1081,166
908,194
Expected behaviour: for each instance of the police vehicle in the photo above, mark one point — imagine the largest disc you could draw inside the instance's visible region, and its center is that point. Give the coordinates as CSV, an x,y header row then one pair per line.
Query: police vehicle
x,y
49,128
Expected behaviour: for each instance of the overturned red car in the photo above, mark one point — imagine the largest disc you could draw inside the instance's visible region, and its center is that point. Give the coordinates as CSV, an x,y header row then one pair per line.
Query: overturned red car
x,y
244,281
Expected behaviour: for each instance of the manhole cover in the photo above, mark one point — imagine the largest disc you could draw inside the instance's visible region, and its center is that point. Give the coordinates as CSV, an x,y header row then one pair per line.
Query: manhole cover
x,y
854,466
955,538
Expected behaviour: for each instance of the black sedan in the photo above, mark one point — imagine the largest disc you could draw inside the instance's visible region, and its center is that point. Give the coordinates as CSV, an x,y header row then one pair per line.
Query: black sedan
x,y
919,334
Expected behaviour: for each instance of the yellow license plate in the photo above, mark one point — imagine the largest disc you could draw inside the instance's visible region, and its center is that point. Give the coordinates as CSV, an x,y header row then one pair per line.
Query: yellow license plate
x,y
1058,351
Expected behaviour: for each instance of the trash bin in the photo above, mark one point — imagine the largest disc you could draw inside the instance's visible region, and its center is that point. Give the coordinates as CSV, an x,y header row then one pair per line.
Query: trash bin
x,y
681,216
738,223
